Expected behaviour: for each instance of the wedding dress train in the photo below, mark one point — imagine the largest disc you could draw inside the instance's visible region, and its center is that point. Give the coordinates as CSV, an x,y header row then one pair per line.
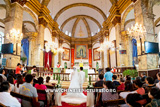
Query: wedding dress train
x,y
74,97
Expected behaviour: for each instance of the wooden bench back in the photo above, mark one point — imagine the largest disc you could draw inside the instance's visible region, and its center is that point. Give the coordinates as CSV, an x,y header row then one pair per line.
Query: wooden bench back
x,y
26,98
1,105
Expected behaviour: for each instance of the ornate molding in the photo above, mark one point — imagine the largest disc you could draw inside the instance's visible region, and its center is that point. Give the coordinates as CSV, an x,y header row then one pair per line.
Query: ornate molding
x,y
45,2
80,4
42,21
21,2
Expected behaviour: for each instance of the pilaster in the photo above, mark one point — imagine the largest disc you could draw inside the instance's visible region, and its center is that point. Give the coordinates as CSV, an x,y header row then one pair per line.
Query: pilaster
x,y
14,21
60,54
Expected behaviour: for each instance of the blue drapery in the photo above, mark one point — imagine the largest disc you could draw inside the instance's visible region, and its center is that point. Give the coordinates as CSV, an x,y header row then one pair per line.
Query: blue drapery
x,y
134,52
25,45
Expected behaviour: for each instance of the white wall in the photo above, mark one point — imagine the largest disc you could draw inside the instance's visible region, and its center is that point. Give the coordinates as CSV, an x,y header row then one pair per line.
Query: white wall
x,y
47,35
65,45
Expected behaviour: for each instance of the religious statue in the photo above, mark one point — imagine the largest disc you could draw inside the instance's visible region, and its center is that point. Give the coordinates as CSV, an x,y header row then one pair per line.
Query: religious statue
x,y
81,52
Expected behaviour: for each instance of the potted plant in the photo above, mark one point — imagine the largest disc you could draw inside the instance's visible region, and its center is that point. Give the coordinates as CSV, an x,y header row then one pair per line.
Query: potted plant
x,y
131,72
23,59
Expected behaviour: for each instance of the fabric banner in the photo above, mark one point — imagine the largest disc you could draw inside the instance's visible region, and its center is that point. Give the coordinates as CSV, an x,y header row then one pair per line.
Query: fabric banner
x,y
47,60
90,58
72,58
25,45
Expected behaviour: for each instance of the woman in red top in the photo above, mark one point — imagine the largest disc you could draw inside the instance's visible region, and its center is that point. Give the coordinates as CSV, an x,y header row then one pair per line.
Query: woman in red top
x,y
40,86
18,69
140,90
121,86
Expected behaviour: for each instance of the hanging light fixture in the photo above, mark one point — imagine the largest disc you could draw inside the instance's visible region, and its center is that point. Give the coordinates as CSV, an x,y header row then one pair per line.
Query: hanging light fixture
x,y
14,36
137,31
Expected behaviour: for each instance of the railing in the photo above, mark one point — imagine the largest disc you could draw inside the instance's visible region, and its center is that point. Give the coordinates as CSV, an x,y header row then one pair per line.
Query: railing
x,y
63,76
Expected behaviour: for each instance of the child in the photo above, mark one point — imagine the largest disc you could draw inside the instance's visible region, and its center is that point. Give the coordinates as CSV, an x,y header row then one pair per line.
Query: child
x,y
121,86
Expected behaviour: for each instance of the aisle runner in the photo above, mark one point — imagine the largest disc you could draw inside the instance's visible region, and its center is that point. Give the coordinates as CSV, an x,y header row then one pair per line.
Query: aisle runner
x,y
73,105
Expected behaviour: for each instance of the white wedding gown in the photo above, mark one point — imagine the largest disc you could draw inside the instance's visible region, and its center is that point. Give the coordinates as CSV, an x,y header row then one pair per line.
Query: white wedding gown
x,y
74,97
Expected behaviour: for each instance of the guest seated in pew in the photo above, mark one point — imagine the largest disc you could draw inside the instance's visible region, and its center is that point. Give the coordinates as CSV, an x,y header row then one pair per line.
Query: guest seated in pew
x,y
111,94
132,99
18,84
40,86
143,76
100,81
1,79
121,86
115,82
149,84
140,90
48,81
128,84
10,79
158,77
2,73
154,94
5,97
28,90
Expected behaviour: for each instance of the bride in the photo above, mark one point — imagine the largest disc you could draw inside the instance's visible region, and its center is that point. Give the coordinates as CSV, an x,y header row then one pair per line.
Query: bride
x,y
74,97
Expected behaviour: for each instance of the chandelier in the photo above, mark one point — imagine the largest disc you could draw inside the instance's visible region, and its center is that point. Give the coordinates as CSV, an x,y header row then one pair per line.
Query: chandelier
x,y
137,31
104,45
50,46
60,50
14,36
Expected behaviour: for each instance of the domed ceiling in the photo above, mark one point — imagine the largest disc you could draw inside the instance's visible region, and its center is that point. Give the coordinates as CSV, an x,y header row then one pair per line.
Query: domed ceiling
x,y
79,18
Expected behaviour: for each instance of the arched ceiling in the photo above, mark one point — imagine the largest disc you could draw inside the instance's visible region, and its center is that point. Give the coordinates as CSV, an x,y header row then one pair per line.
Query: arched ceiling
x,y
73,14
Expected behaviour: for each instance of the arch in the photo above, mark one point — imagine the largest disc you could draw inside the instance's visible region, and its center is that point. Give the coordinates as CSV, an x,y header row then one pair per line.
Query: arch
x,y
31,24
125,15
157,21
76,16
80,4
87,26
128,21
32,15
74,26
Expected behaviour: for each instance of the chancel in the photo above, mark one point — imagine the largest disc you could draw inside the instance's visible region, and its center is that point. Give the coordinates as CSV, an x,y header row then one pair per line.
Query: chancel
x,y
79,53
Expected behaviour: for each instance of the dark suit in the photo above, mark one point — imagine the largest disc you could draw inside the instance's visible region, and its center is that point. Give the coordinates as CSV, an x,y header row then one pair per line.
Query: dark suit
x,y
99,83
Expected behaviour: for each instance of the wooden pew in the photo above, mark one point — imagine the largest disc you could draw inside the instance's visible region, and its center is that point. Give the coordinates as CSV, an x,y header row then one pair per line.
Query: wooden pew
x,y
117,102
1,105
45,93
26,98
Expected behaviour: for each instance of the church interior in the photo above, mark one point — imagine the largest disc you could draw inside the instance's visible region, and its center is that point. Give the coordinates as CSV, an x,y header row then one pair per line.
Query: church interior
x,y
83,44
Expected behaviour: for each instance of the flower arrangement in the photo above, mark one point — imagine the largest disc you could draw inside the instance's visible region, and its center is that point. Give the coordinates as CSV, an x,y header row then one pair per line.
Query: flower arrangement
x,y
90,86
58,85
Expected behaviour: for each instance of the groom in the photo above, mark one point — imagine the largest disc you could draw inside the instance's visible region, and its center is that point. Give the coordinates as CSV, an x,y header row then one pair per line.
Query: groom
x,y
82,77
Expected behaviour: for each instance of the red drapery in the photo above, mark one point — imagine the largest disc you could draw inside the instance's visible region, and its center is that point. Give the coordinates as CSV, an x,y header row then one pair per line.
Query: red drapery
x,y
90,58
47,59
72,58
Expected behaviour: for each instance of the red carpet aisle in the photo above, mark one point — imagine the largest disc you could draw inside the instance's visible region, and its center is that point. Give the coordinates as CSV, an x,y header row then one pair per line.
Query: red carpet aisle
x,y
73,105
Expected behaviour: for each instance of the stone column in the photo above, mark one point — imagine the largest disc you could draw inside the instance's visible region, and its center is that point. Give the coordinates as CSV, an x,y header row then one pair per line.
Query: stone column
x,y
144,16
14,21
60,54
121,58
40,42
32,46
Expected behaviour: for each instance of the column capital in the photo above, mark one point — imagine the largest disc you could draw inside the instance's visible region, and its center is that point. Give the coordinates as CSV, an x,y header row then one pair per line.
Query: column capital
x,y
42,21
60,41
32,35
116,19
106,32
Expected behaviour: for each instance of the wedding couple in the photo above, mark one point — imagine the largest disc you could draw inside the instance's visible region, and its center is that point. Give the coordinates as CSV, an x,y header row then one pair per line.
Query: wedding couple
x,y
77,80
